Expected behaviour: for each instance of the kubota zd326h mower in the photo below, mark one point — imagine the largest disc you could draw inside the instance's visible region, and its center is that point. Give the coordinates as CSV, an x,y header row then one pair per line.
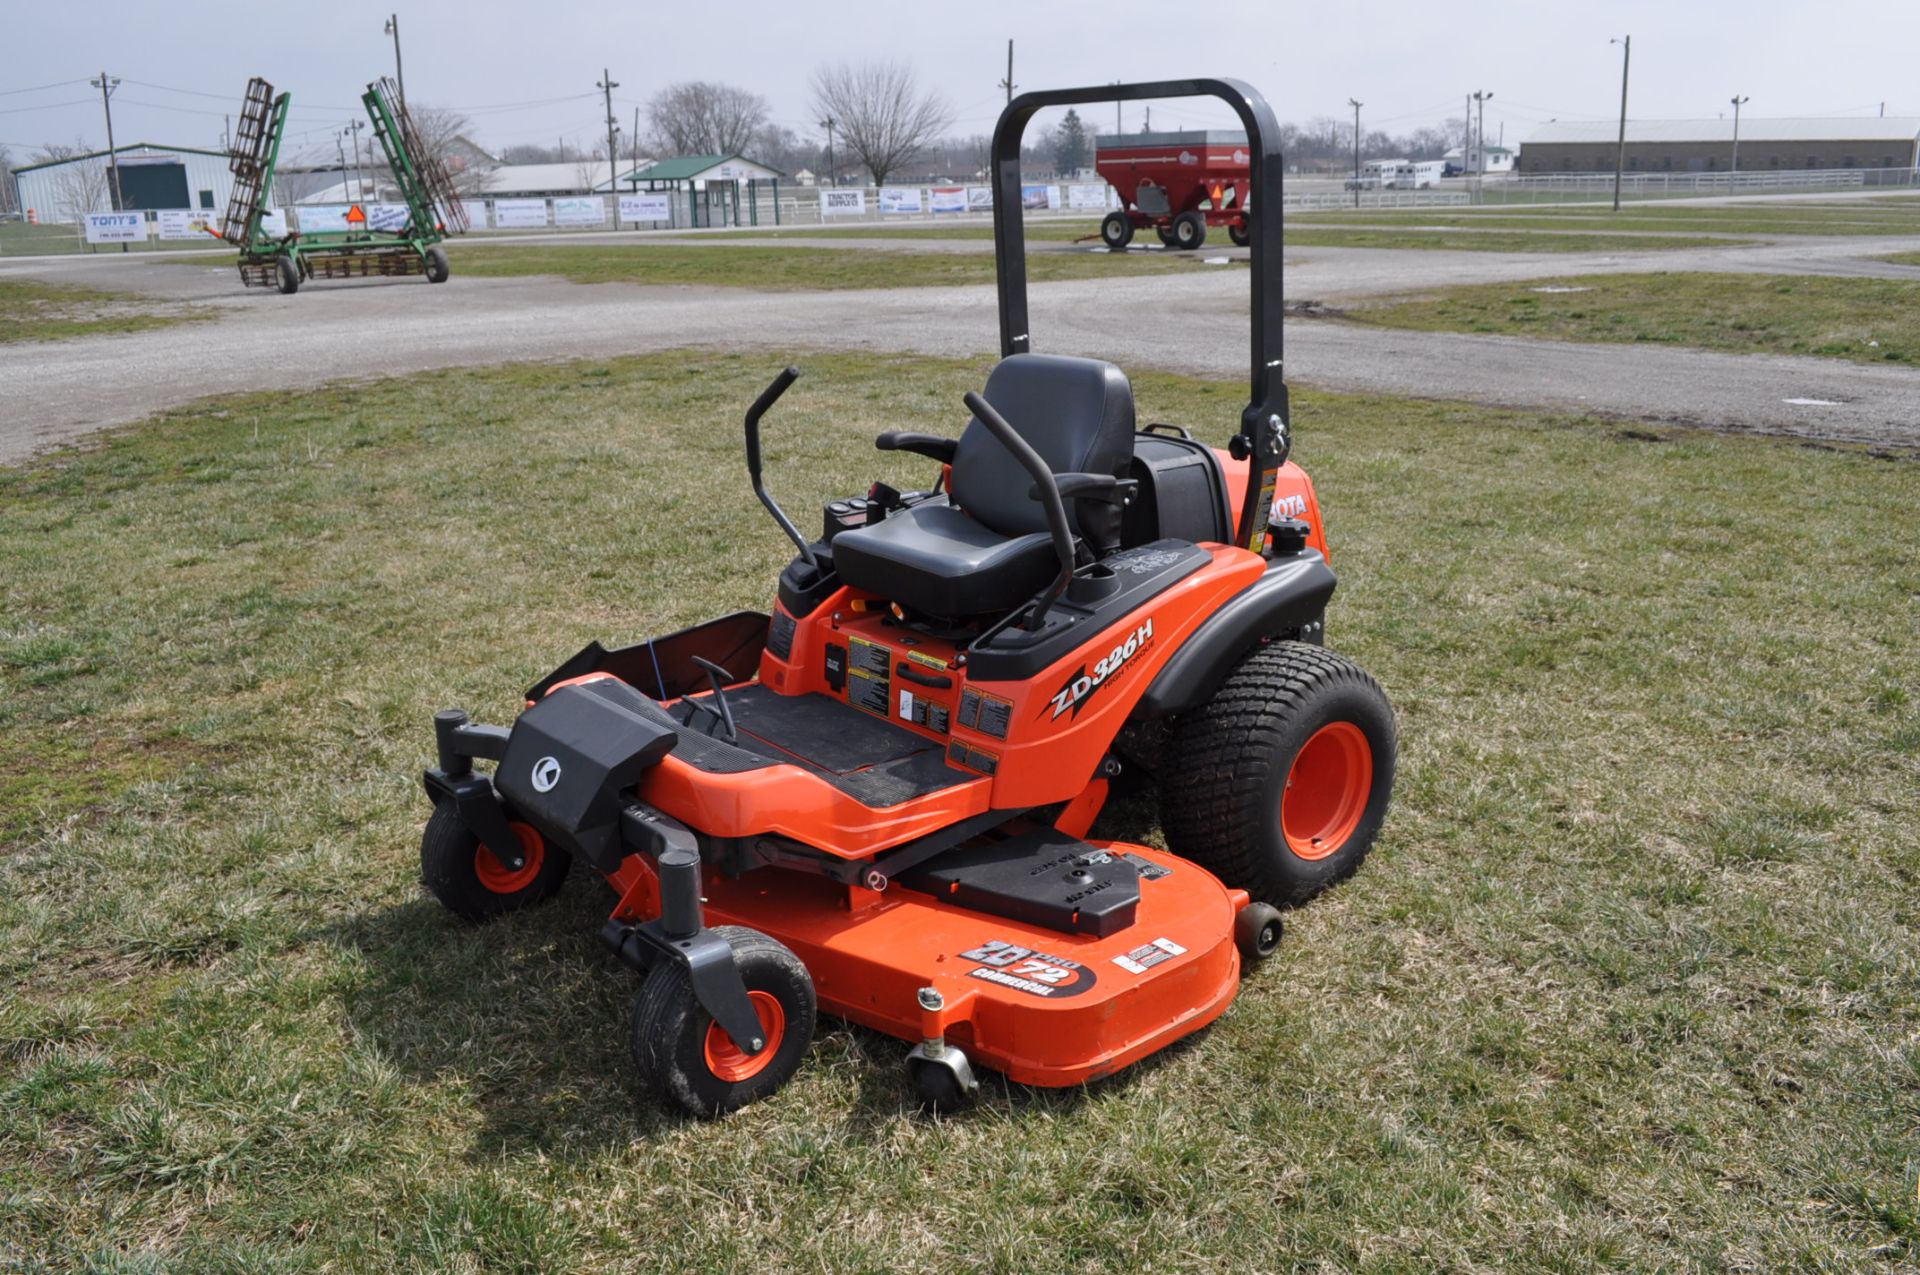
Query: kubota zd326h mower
x,y
874,802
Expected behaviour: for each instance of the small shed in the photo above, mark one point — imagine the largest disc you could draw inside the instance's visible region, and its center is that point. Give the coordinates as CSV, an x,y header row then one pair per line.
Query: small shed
x,y
721,190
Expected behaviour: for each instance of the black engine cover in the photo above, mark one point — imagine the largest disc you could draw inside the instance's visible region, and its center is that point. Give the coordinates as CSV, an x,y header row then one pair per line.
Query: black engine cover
x,y
1043,878
571,758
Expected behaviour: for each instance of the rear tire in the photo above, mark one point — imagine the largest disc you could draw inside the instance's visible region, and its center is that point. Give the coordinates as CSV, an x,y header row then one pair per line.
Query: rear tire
x,y
1189,230
1166,235
1116,231
472,882
682,1053
288,273
436,266
1278,785
1240,235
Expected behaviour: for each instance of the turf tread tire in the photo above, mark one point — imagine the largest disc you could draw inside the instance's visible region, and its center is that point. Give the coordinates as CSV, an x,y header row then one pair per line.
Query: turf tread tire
x,y
1229,759
447,870
670,1027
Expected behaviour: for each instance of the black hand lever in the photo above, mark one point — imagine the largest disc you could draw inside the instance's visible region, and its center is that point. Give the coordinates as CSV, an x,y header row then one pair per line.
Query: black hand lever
x,y
768,397
719,677
1047,492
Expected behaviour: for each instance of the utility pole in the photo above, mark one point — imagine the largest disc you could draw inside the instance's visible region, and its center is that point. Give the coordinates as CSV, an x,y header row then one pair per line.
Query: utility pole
x,y
1620,157
607,85
1008,83
341,151
1356,150
107,84
833,174
1738,102
634,182
399,76
1480,151
359,173
1116,112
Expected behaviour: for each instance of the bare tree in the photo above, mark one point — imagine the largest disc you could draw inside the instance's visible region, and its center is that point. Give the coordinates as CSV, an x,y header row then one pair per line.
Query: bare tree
x,y
443,134
701,117
880,112
9,193
79,187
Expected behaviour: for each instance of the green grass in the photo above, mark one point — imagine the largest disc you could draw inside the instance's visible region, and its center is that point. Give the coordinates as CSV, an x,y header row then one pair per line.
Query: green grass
x,y
1866,320
35,311
1903,258
1731,219
788,269
1300,233
1630,983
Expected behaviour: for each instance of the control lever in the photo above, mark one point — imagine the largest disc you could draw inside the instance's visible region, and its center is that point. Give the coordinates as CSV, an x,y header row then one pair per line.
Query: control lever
x,y
719,677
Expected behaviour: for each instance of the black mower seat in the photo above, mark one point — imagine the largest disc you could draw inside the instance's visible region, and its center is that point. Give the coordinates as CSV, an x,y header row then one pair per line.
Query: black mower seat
x,y
986,548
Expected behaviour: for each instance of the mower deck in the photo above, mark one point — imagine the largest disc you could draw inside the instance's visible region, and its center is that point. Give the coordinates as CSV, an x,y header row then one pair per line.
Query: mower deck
x,y
1042,1006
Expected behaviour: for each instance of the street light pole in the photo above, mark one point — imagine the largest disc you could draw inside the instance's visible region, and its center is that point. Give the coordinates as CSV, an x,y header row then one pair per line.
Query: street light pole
x,y
1738,102
1620,156
1008,83
607,85
1356,150
359,173
400,76
107,84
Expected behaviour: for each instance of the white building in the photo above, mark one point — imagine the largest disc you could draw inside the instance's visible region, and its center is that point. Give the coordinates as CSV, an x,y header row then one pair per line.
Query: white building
x,y
151,177
1496,159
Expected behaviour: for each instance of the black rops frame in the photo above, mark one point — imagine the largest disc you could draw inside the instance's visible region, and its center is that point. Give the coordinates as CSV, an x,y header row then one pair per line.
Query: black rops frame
x,y
1265,426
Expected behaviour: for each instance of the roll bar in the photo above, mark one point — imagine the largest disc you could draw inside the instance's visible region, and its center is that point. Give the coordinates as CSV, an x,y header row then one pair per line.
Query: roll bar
x,y
1266,424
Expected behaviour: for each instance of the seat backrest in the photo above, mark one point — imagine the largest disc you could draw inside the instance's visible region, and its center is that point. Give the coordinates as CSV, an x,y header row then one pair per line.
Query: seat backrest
x,y
1077,413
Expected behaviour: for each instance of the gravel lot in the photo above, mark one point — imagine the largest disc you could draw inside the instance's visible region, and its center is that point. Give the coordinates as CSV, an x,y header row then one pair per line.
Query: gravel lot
x,y
50,393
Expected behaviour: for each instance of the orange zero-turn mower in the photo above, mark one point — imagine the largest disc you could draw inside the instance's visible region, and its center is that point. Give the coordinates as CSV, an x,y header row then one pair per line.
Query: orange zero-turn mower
x,y
874,802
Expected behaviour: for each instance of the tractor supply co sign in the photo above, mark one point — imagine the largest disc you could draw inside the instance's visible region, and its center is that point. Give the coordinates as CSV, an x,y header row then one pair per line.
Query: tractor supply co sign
x,y
116,227
184,223
519,213
646,208
899,199
580,212
843,203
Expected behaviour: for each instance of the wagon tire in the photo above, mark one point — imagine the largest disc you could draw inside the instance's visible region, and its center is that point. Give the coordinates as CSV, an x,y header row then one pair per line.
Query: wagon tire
x,y
1241,235
436,266
1116,231
287,271
1189,230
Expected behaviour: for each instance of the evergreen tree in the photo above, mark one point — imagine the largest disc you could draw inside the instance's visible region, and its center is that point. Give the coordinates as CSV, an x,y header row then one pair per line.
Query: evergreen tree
x,y
1070,145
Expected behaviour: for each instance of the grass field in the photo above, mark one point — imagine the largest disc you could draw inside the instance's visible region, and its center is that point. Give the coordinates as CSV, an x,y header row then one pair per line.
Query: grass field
x,y
787,269
35,311
1301,233
1866,320
17,239
1904,258
1857,218
1631,981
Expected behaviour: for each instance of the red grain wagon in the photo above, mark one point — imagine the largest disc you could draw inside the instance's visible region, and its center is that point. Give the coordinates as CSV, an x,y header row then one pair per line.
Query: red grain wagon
x,y
1177,183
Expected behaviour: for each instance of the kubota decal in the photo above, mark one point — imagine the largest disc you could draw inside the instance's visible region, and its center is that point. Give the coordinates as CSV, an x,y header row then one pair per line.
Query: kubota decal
x,y
1025,970
1081,686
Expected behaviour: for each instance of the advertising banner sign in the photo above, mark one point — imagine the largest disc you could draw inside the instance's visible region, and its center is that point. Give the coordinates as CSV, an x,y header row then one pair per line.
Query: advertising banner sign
x,y
1038,197
323,217
386,216
579,211
948,199
274,222
648,207
843,203
899,199
519,213
185,223
980,198
1088,196
116,227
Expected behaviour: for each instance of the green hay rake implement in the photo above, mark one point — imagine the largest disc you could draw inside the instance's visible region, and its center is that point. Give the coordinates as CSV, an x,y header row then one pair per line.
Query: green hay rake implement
x,y
433,209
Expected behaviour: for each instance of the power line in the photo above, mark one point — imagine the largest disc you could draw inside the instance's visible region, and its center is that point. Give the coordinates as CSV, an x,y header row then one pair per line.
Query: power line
x,y
40,88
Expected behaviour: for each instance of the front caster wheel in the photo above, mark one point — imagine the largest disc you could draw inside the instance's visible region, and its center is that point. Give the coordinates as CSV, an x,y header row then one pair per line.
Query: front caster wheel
x,y
472,882
1279,783
686,1056
1257,931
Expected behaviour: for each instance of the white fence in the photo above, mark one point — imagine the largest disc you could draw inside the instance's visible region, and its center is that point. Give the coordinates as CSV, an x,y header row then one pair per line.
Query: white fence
x,y
1546,188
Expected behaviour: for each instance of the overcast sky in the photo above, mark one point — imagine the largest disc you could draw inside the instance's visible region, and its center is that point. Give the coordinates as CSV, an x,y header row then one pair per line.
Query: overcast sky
x,y
525,72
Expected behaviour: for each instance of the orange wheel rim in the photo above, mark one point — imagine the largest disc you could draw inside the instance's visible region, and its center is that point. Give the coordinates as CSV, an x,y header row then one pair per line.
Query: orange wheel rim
x,y
733,1064
499,878
1327,790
